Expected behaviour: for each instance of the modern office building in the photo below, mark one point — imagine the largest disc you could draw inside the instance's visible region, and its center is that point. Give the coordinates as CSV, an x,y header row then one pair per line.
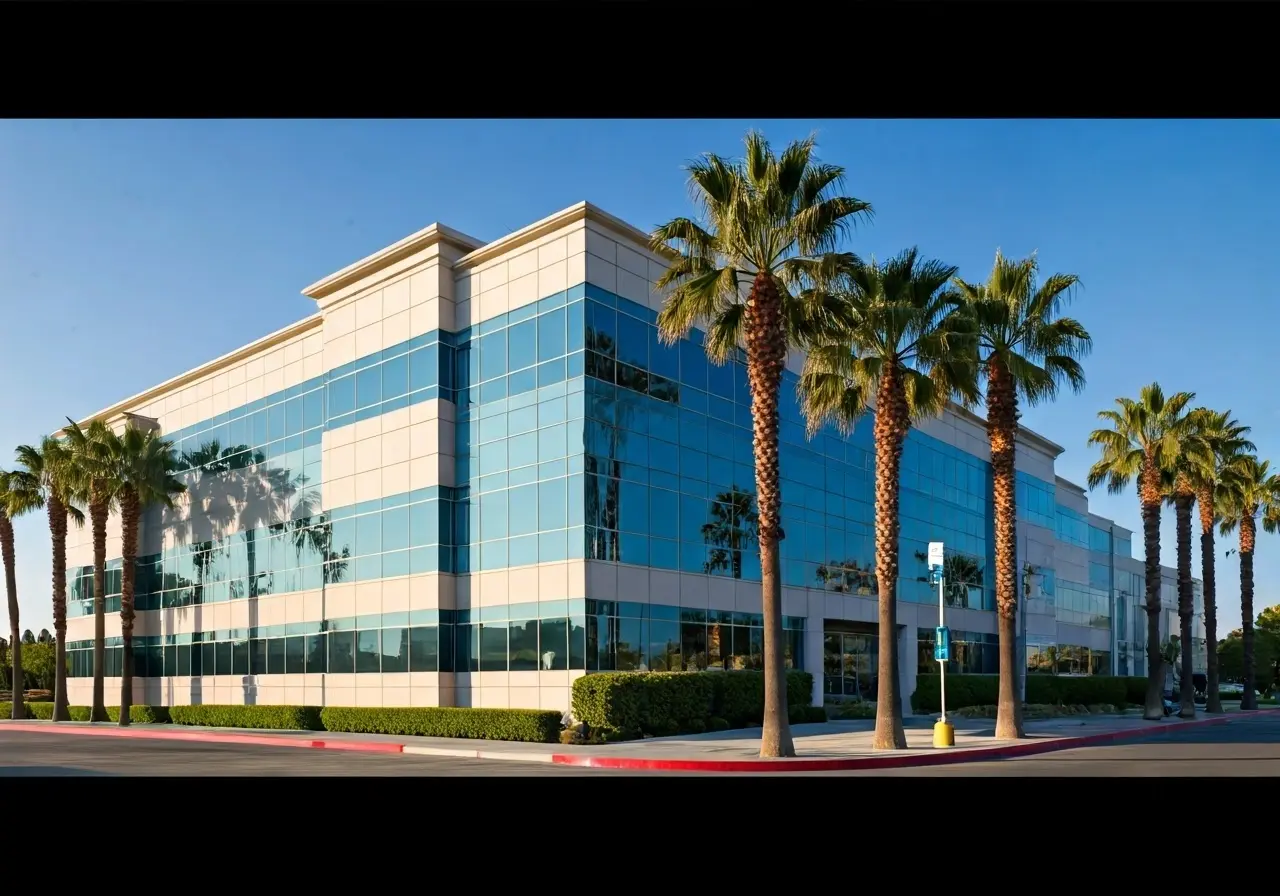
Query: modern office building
x,y
475,474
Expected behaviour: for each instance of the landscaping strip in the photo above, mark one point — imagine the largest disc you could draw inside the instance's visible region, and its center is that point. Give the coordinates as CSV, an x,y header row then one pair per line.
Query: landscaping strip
x,y
196,736
890,761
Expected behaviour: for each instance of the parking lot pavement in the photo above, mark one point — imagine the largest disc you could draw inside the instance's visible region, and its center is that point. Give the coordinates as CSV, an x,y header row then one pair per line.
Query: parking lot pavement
x,y
38,755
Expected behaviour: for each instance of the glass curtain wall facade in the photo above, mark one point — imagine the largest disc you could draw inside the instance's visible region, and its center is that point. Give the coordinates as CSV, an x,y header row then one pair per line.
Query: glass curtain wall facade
x,y
575,436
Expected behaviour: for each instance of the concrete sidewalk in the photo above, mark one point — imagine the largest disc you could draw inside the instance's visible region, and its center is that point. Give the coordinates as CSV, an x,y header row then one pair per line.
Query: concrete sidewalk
x,y
833,746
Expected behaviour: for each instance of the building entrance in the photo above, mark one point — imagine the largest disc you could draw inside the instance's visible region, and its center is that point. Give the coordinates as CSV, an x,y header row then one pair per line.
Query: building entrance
x,y
850,653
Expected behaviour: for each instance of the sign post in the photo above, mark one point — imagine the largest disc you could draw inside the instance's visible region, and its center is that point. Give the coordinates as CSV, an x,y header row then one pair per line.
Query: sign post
x,y
944,734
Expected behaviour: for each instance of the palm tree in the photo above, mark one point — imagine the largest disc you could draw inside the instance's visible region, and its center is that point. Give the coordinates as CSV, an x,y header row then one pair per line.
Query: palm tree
x,y
11,505
909,351
1192,458
1142,444
1253,491
90,448
144,468
1026,351
48,478
1226,438
769,228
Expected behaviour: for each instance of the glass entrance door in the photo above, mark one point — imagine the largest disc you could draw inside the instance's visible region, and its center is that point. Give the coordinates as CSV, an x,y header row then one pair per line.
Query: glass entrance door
x,y
849,664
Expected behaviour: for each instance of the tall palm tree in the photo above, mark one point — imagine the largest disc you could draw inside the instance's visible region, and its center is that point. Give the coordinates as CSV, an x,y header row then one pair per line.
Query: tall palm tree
x,y
11,505
1142,445
48,478
910,350
1226,438
768,227
1026,350
144,468
90,448
1252,493
1192,457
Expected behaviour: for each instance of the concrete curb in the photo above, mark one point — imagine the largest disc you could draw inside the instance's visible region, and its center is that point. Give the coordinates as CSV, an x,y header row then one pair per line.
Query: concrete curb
x,y
257,740
494,755
914,760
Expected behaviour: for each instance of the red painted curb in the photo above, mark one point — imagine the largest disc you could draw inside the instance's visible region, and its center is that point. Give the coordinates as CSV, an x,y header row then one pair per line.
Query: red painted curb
x,y
260,740
1027,748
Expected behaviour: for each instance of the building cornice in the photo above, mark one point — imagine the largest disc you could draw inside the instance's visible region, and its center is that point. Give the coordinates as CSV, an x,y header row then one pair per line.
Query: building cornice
x,y
1029,436
366,267
582,211
121,409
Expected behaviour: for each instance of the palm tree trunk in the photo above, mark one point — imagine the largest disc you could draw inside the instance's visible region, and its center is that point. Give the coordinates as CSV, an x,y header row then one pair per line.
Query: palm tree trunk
x,y
98,510
1213,702
891,426
1149,495
58,533
19,706
1002,431
129,511
766,346
1248,535
1186,601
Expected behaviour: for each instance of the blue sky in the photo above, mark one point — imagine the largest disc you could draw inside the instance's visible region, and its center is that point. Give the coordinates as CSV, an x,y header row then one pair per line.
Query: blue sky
x,y
132,251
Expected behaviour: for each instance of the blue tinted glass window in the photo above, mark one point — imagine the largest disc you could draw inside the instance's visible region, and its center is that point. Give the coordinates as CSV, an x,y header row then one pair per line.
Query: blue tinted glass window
x,y
424,366
368,386
395,377
523,345
493,355
551,335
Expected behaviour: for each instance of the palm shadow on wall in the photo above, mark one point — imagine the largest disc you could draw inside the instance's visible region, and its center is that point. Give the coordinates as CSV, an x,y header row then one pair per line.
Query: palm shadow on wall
x,y
239,503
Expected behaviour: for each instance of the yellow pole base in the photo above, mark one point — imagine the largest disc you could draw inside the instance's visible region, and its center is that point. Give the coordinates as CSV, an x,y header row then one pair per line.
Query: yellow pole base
x,y
944,735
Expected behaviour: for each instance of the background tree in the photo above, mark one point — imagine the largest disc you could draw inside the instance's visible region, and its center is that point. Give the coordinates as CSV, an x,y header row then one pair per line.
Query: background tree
x,y
1142,444
1252,493
1228,442
1265,659
907,351
48,477
144,466
90,448
39,665
751,271
1026,350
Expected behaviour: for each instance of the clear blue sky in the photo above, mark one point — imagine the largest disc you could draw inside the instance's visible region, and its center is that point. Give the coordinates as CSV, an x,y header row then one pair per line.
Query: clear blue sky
x,y
130,252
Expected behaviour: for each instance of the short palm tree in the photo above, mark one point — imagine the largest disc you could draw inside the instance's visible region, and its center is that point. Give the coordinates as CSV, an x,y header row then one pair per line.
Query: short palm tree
x,y
1026,351
909,350
1142,444
750,271
46,475
1228,441
144,466
91,457
1252,493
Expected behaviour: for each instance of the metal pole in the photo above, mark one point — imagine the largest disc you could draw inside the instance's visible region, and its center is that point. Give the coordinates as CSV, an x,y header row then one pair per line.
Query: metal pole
x,y
942,663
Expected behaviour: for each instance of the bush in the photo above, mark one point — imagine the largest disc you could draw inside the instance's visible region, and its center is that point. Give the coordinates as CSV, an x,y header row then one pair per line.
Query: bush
x,y
849,711
1056,690
667,703
529,725
807,715
138,714
280,718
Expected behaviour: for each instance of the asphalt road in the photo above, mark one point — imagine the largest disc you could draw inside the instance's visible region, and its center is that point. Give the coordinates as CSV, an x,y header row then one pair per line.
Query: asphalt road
x,y
1244,746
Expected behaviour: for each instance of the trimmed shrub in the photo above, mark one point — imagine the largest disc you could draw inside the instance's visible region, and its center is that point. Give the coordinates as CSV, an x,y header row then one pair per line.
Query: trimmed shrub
x,y
1055,690
529,725
279,718
667,703
6,710
141,715
807,715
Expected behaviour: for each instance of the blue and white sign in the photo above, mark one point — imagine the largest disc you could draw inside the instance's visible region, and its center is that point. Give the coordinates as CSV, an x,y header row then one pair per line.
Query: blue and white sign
x,y
935,555
942,645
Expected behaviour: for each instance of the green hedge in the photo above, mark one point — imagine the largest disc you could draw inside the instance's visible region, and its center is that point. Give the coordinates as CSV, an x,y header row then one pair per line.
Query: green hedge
x,y
278,718
529,725
138,714
984,690
667,703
